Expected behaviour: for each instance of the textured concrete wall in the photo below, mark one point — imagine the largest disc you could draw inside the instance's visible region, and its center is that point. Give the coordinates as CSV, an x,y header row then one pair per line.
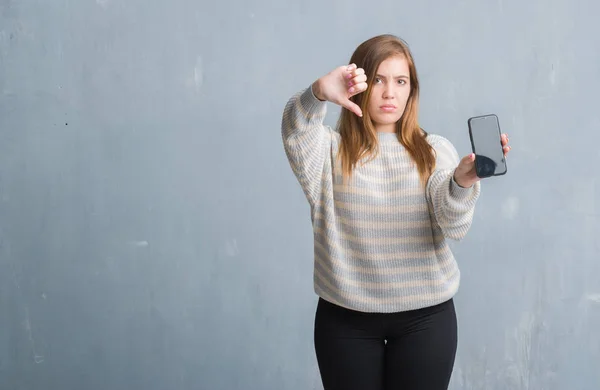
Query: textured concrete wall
x,y
153,236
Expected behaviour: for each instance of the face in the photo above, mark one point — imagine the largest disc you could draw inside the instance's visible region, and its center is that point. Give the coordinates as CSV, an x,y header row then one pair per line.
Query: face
x,y
390,91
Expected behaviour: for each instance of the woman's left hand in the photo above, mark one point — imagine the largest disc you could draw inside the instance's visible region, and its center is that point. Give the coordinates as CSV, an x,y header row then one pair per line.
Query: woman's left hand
x,y
465,174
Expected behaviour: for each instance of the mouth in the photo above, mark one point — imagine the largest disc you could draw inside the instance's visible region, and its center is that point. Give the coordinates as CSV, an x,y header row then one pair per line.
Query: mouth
x,y
388,108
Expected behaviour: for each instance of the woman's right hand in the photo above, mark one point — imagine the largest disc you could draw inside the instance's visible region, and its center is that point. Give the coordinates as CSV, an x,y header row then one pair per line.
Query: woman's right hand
x,y
339,85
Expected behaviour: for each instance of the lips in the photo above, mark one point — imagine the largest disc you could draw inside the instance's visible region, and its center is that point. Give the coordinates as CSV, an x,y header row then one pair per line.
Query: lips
x,y
388,107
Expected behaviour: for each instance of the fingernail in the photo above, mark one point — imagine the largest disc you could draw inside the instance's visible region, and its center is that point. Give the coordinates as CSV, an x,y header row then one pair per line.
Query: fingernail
x,y
350,84
351,90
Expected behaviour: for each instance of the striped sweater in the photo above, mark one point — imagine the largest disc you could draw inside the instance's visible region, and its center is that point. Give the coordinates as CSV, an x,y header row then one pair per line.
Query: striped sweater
x,y
380,241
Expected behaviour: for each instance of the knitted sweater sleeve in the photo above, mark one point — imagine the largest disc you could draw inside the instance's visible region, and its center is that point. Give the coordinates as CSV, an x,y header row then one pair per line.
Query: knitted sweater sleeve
x,y
453,206
306,140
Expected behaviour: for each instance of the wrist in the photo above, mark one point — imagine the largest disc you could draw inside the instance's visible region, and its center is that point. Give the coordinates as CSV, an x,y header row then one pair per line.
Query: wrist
x,y
316,88
460,183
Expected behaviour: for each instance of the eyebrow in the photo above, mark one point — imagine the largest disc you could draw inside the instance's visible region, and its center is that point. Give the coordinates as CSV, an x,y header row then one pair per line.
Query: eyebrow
x,y
397,77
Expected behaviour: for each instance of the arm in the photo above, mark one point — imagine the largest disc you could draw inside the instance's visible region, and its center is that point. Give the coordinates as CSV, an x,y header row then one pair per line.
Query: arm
x,y
453,206
306,141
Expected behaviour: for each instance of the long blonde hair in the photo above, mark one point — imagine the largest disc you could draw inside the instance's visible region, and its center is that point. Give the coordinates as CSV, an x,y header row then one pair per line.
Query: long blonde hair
x,y
358,135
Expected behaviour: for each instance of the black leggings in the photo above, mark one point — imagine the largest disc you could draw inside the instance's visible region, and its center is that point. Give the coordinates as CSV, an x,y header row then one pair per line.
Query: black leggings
x,y
379,351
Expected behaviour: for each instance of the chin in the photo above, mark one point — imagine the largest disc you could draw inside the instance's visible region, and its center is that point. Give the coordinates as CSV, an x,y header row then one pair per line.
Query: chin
x,y
384,122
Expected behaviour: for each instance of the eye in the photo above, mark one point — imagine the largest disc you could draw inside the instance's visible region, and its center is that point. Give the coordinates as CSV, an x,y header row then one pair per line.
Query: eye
x,y
377,80
402,81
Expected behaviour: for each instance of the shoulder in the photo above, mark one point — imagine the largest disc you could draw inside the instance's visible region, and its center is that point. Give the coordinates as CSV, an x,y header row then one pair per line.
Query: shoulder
x,y
445,151
436,140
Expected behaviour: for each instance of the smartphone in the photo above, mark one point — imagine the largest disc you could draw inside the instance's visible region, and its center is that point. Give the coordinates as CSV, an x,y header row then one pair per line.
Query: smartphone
x,y
486,143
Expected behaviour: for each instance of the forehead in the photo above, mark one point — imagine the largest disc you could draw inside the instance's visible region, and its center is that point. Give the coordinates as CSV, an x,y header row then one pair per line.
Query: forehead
x,y
396,65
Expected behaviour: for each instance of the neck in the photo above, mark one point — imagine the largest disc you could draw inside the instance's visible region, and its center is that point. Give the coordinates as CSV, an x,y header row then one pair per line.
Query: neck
x,y
387,133
386,127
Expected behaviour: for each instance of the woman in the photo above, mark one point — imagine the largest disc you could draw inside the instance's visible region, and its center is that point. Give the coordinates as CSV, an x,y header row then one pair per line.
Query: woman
x,y
385,196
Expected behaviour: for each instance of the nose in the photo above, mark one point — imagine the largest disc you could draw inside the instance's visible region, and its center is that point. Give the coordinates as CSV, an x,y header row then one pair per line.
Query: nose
x,y
388,91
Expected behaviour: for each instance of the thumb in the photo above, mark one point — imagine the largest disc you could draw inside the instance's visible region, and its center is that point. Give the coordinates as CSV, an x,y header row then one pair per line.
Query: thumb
x,y
467,160
350,105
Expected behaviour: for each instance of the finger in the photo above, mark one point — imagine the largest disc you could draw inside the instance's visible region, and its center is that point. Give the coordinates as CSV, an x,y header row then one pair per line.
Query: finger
x,y
354,72
350,70
506,150
504,139
358,88
358,79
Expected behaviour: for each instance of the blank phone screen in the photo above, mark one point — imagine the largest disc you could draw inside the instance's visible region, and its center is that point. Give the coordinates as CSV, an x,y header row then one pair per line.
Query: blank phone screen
x,y
489,157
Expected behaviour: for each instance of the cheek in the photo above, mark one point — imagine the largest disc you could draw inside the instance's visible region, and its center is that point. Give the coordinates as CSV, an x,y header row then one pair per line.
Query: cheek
x,y
404,100
404,95
372,106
